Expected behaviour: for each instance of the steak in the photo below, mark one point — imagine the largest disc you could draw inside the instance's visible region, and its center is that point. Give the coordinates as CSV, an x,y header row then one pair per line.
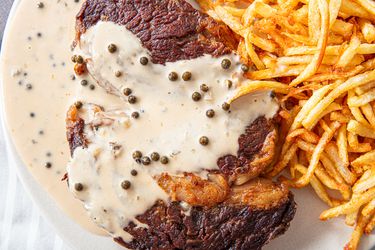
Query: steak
x,y
227,211
171,30
247,216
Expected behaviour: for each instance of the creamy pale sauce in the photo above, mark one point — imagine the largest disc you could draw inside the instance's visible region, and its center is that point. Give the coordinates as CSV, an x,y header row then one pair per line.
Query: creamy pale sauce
x,y
170,123
38,87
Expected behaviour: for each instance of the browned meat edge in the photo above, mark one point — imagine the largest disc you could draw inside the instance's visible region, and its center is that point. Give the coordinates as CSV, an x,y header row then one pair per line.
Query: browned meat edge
x,y
222,227
171,30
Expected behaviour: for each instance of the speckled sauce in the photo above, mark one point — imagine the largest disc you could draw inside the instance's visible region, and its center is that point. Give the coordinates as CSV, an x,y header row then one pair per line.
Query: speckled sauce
x,y
40,85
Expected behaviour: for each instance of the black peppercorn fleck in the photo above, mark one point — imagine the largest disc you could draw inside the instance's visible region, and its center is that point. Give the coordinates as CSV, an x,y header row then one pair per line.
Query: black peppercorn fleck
x,y
29,86
196,96
173,76
210,113
155,156
143,60
244,68
84,82
78,186
48,165
204,88
203,140
127,91
186,76
78,104
225,106
40,5
226,63
92,86
146,160
132,99
79,60
272,94
32,114
137,154
112,48
135,115
164,160
126,184
118,73
228,83
134,172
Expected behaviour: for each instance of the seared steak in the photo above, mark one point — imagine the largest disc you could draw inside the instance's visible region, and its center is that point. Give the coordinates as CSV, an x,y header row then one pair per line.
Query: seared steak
x,y
225,226
171,30
223,217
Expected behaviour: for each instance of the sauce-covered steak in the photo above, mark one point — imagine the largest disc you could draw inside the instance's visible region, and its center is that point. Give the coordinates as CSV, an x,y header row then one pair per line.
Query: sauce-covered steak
x,y
209,195
219,216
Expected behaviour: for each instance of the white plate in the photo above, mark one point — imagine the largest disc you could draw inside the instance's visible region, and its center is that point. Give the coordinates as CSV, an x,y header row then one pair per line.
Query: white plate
x,y
306,232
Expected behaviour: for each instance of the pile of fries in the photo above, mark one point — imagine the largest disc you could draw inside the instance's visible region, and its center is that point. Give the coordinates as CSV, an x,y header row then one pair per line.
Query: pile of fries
x,y
319,57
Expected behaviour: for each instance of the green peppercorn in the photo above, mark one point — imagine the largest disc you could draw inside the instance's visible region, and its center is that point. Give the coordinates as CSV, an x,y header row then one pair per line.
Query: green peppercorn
x,y
135,115
132,99
118,73
186,76
79,60
92,86
78,104
48,165
225,106
226,63
196,96
228,83
204,88
210,113
126,184
112,48
78,186
134,172
203,140
146,160
84,82
173,76
143,60
164,160
244,68
155,156
137,154
127,91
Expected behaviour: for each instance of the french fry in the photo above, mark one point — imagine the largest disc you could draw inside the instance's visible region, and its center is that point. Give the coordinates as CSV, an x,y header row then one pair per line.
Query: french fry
x,y
358,101
358,232
342,145
335,93
316,185
354,204
350,51
351,218
334,8
361,129
367,5
313,66
252,86
370,226
367,159
367,29
325,138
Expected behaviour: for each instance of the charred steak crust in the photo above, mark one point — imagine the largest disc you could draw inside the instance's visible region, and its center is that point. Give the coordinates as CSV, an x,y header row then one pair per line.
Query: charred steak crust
x,y
171,30
256,149
220,227
75,130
